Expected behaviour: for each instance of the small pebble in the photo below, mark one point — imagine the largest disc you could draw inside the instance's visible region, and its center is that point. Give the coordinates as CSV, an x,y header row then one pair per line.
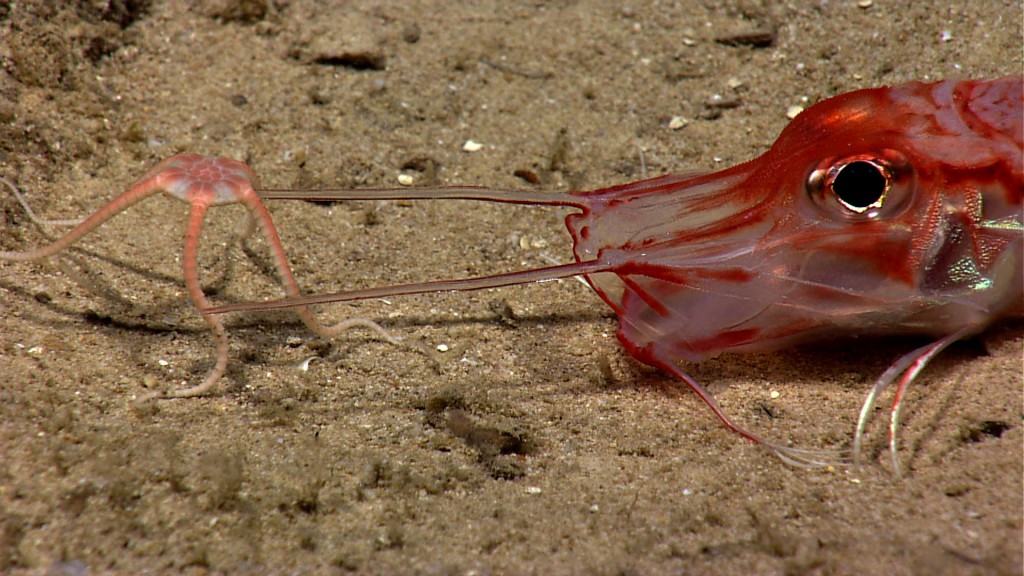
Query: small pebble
x,y
304,365
794,111
528,175
757,38
526,243
471,146
774,394
721,102
677,122
442,347
405,179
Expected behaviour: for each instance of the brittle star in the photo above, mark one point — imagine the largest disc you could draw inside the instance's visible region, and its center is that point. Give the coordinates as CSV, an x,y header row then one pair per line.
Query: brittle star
x,y
202,181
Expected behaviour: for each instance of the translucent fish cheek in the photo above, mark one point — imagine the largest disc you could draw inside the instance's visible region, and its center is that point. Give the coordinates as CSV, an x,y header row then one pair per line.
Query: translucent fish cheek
x,y
844,272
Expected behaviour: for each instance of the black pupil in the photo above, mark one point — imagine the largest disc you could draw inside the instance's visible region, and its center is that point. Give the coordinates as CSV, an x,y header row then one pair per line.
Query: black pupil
x,y
859,184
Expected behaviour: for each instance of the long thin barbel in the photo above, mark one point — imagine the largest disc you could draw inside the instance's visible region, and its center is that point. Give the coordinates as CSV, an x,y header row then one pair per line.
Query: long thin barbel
x,y
458,285
506,195
803,458
478,193
907,367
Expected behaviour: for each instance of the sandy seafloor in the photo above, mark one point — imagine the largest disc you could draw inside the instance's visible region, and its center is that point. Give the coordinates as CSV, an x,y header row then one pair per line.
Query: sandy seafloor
x,y
535,445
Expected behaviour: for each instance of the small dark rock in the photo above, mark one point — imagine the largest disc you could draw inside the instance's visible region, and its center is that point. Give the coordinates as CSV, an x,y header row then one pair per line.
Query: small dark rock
x,y
759,38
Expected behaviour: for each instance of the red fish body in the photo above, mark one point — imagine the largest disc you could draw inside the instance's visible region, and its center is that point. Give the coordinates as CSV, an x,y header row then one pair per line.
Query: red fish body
x,y
881,211
762,255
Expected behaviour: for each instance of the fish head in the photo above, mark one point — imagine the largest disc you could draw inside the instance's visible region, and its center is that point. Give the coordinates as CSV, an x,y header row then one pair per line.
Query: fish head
x,y
862,218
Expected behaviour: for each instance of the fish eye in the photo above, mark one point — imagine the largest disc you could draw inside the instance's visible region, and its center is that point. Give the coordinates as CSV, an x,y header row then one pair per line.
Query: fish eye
x,y
863,187
860,185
